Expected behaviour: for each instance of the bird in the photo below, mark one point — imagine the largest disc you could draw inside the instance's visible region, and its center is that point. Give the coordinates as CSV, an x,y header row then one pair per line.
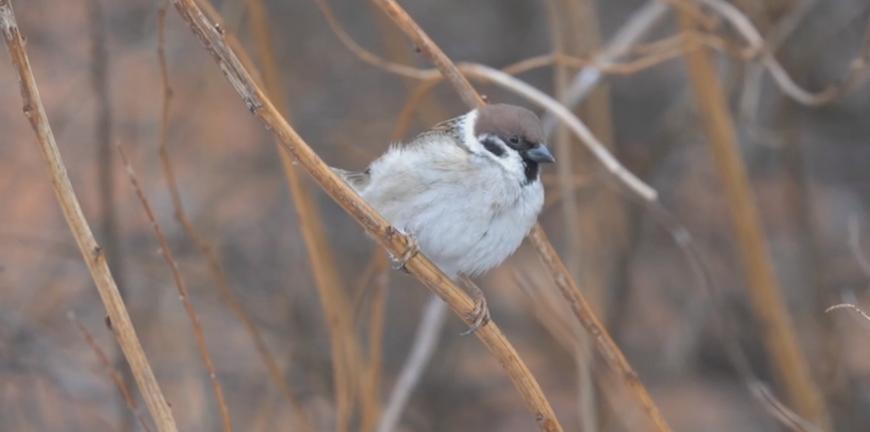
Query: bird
x,y
467,191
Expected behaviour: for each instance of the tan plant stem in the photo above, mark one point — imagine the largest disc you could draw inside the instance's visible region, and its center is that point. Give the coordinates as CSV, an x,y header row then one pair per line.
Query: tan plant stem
x,y
109,229
375,225
765,293
347,360
580,306
371,409
613,356
301,421
432,52
425,341
91,251
117,377
183,295
558,12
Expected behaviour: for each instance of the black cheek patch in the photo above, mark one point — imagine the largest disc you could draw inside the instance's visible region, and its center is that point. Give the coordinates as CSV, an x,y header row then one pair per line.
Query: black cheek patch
x,y
493,147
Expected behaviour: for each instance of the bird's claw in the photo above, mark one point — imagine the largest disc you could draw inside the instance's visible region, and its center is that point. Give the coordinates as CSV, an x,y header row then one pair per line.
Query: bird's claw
x,y
412,250
479,316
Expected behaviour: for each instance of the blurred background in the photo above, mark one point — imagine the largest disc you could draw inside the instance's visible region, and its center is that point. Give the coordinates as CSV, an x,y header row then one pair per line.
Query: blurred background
x,y
807,164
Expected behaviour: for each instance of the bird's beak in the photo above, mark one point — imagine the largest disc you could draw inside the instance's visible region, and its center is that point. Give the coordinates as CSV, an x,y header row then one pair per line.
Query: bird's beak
x,y
540,154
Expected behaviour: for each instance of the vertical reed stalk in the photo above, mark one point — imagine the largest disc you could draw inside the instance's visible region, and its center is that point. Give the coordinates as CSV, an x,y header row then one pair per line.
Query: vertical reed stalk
x,y
347,357
765,293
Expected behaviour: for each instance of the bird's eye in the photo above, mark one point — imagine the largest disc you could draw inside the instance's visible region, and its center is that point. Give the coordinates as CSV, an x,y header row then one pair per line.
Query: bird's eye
x,y
515,139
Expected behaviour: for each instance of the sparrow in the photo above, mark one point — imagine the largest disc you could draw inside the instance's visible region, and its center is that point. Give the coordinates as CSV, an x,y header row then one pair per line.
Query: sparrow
x,y
467,191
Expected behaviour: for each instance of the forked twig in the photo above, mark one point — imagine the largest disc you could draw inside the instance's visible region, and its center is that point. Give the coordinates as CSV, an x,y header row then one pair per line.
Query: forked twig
x,y
183,294
255,99
91,251
857,72
116,376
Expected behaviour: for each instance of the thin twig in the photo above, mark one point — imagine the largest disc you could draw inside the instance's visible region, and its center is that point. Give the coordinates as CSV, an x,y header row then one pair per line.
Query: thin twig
x,y
611,353
592,143
779,410
849,306
564,23
371,381
425,341
367,56
216,269
183,294
856,73
109,229
375,225
609,67
854,228
432,52
545,249
765,292
117,377
347,358
635,28
91,251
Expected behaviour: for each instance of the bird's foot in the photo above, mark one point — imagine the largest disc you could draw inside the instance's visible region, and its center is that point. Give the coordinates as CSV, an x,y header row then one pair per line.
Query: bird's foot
x,y
412,250
479,316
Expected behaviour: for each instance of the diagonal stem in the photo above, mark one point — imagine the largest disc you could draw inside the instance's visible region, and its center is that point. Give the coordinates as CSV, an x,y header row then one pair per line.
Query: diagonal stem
x,y
92,253
255,99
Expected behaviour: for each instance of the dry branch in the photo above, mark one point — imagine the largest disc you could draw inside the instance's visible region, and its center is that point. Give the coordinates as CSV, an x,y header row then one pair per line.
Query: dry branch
x,y
432,52
640,23
256,101
206,248
764,290
117,377
347,359
560,274
856,73
183,294
568,27
371,379
425,341
90,250
109,229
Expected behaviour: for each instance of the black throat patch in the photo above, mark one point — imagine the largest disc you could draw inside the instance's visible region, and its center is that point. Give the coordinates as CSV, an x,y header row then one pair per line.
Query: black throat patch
x,y
530,168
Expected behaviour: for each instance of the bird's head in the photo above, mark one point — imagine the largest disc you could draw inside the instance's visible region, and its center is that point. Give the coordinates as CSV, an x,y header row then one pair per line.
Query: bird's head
x,y
512,136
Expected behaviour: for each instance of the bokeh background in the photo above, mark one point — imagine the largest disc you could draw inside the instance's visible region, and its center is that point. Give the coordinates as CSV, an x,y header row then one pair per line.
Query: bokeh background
x,y
809,168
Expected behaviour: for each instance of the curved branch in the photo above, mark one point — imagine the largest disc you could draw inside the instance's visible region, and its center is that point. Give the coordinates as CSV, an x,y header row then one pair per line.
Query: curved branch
x,y
565,282
857,70
252,95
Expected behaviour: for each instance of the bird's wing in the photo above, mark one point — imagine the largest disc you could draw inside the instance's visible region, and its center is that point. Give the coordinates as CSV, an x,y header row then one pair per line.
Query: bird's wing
x,y
356,179
447,127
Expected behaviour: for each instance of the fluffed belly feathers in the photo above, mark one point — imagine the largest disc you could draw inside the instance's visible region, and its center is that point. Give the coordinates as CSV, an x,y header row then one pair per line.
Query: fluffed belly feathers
x,y
466,218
